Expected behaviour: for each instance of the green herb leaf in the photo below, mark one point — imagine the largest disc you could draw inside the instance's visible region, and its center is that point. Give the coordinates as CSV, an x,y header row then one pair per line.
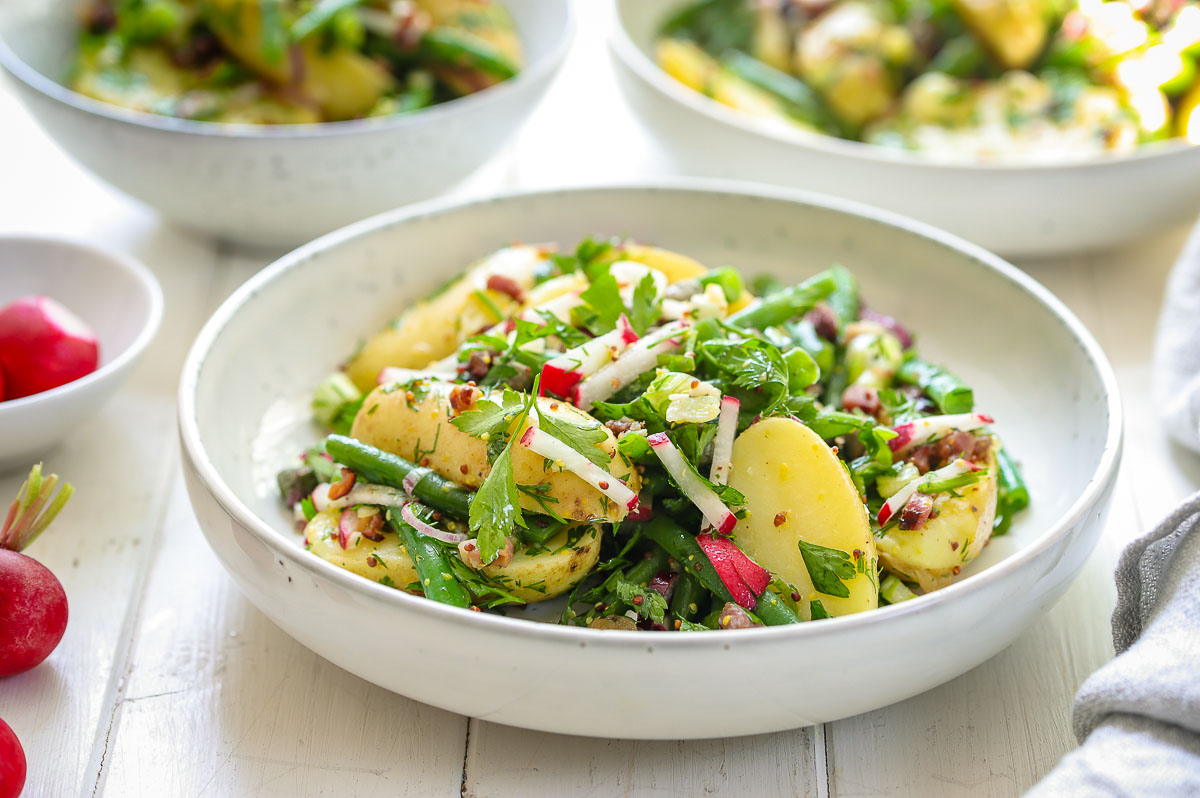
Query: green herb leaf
x,y
827,568
581,439
496,508
817,610
644,310
753,364
490,418
602,304
648,604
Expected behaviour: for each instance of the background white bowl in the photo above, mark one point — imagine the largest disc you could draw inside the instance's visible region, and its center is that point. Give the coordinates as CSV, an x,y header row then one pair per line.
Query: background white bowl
x,y
1015,210
1033,365
275,185
115,295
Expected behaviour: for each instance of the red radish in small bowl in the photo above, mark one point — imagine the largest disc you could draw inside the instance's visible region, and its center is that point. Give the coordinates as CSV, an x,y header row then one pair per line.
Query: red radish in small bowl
x,y
120,305
33,604
43,345
12,762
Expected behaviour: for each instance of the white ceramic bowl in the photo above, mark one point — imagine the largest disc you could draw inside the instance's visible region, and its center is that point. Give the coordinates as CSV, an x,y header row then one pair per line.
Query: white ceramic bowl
x,y
1016,210
274,185
242,415
116,296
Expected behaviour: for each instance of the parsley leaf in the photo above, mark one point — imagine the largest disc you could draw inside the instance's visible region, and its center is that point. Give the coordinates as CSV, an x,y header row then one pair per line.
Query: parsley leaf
x,y
489,418
602,305
651,607
644,309
495,509
753,363
827,568
588,253
817,610
581,439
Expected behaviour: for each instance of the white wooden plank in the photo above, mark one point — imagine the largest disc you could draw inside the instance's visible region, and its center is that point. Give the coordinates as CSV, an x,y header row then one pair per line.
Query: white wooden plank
x,y
502,762
218,701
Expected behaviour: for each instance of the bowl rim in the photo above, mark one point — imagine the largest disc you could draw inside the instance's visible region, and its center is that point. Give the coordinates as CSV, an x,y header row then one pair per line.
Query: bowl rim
x,y
626,51
543,69
150,323
274,539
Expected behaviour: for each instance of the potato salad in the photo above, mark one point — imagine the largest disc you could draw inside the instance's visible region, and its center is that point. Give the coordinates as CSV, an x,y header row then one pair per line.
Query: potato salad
x,y
657,443
291,61
966,80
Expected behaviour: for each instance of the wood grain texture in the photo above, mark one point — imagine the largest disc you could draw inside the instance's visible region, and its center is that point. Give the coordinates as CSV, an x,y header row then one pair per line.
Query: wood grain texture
x,y
169,683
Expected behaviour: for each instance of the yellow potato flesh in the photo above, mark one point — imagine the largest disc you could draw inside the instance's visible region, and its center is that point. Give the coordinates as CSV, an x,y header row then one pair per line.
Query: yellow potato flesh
x,y
932,555
674,266
788,475
434,328
1014,31
534,574
421,431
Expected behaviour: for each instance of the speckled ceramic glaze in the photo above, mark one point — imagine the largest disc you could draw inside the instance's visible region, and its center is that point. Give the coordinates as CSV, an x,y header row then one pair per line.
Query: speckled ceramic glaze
x,y
1032,363
274,185
1016,210
114,295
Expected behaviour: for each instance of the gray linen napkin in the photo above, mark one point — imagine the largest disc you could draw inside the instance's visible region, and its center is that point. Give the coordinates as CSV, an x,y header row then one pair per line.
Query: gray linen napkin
x,y
1177,349
1138,717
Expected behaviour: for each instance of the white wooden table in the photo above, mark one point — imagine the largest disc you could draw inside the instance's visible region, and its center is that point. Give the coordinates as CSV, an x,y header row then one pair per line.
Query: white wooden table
x,y
169,683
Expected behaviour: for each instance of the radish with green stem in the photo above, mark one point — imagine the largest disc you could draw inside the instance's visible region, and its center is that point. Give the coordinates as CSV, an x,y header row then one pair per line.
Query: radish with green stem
x,y
33,605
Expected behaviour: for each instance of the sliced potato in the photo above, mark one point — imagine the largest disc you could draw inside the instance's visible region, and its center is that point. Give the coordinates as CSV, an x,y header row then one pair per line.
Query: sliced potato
x,y
342,83
675,266
239,25
533,575
421,430
686,62
932,555
797,490
433,328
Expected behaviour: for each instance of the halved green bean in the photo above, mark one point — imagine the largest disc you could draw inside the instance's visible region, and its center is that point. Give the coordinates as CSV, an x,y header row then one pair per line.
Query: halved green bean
x,y
1013,490
685,601
947,391
786,304
433,571
385,468
463,50
798,99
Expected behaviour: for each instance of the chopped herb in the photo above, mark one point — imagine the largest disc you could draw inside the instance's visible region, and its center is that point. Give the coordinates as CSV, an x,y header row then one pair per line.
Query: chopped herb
x,y
648,604
827,568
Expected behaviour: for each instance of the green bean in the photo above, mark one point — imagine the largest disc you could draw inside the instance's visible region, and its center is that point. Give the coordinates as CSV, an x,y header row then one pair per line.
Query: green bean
x,y
318,17
893,591
685,601
797,97
684,548
541,528
947,391
844,300
385,468
786,304
463,50
1012,495
433,571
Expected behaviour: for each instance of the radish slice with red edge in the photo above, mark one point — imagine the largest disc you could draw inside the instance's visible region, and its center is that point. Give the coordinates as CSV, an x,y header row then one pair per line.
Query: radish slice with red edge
x,y
709,504
745,579
900,498
552,448
348,534
562,373
723,442
921,430
428,530
636,361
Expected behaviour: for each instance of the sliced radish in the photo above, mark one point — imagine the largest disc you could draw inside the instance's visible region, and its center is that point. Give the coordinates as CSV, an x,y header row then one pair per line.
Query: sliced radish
x,y
917,432
745,579
723,442
43,345
898,499
636,360
709,504
361,493
564,372
552,448
348,532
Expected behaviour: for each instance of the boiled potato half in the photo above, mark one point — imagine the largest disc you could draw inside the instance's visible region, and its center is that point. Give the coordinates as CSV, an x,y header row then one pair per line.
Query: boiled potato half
x,y
533,575
797,490
433,328
932,555
422,429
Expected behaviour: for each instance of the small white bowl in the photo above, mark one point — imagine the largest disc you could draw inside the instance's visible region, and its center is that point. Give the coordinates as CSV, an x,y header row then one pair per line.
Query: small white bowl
x,y
1036,209
115,295
243,414
275,185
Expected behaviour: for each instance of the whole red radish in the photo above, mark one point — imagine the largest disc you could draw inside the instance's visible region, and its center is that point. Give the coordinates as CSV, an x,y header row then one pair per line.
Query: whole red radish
x,y
12,763
33,605
43,345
